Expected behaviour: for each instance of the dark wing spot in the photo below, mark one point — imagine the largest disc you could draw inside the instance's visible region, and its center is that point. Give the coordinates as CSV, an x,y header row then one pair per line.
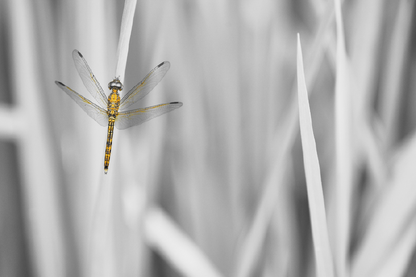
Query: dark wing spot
x,y
175,103
59,84
160,64
79,53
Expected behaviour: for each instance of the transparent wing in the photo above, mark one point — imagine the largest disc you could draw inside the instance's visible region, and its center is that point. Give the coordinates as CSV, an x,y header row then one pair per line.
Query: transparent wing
x,y
93,110
131,118
88,78
145,86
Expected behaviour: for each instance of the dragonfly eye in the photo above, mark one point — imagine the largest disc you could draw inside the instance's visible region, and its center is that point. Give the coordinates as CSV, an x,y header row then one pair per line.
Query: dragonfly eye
x,y
115,84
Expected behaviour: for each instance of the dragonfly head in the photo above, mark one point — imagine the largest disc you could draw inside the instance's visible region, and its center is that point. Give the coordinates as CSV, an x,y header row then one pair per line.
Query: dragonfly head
x,y
115,85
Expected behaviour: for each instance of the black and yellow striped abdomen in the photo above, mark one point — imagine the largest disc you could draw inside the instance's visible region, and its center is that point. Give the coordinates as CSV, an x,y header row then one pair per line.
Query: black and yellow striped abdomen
x,y
113,106
109,143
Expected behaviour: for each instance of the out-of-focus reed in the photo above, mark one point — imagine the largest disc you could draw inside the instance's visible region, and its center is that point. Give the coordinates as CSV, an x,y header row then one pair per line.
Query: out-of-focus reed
x,y
223,176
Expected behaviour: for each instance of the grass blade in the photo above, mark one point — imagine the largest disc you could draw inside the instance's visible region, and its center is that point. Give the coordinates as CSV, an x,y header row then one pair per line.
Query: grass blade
x,y
387,238
392,210
250,250
101,243
392,82
400,255
165,237
124,40
343,189
324,263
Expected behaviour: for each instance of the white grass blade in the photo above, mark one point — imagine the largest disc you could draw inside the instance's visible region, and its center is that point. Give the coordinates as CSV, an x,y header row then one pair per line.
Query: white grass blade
x,y
40,206
374,154
400,254
387,238
392,82
102,261
247,256
250,250
164,236
13,123
343,148
124,40
367,27
324,262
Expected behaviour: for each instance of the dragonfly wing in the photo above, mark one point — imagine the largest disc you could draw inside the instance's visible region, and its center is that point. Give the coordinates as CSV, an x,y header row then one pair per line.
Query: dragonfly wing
x,y
93,110
145,86
88,78
131,118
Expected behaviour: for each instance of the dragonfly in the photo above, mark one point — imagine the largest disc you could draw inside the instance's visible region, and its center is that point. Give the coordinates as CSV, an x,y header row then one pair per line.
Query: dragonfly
x,y
111,111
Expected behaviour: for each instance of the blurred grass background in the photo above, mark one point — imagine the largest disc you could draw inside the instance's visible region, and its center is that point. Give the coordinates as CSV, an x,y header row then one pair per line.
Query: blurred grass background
x,y
218,186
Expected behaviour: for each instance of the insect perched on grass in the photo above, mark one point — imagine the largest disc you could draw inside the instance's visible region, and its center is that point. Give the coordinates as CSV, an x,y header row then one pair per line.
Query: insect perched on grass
x,y
111,111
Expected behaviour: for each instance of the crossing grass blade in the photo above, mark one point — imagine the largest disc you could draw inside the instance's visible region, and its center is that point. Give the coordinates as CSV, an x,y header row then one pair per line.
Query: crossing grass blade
x,y
387,238
164,236
251,247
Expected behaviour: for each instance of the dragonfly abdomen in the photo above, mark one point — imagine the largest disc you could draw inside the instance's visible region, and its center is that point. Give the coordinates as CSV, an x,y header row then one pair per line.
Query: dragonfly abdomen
x,y
112,111
109,143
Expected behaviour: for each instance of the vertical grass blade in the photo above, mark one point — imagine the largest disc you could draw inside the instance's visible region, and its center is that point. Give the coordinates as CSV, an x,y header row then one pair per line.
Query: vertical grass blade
x,y
101,254
39,193
392,83
342,148
324,262
124,40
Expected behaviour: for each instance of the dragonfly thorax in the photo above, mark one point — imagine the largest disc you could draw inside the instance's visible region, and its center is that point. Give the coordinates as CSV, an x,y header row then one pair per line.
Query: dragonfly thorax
x,y
115,85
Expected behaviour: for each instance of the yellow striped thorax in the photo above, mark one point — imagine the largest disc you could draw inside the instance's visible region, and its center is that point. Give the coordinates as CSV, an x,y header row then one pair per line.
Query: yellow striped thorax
x,y
114,98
